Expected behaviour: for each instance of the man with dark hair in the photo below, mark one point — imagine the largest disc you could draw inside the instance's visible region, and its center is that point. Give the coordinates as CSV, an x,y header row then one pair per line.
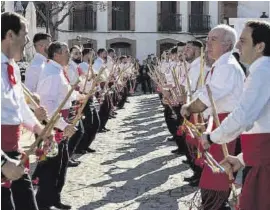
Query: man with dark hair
x,y
52,88
181,44
101,60
73,70
250,119
41,43
91,121
14,111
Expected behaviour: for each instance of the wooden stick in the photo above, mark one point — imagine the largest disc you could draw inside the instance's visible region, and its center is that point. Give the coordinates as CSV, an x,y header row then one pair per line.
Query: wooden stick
x,y
88,71
47,129
217,122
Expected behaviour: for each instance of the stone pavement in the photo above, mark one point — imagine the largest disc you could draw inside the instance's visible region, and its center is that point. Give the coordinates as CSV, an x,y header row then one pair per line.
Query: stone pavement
x,y
133,167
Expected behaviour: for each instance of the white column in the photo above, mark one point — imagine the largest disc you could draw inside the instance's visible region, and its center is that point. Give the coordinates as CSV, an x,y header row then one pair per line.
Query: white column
x,y
9,6
184,11
213,12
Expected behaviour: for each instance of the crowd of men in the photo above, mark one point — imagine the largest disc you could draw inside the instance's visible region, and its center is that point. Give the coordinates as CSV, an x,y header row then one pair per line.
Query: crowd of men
x,y
239,98
87,87
70,92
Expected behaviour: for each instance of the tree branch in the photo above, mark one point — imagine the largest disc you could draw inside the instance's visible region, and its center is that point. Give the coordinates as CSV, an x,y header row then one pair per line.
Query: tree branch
x,y
63,17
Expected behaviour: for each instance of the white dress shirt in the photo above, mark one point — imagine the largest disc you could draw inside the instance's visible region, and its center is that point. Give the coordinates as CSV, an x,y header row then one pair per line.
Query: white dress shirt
x,y
194,74
14,110
53,88
84,67
226,84
252,114
98,64
33,72
72,72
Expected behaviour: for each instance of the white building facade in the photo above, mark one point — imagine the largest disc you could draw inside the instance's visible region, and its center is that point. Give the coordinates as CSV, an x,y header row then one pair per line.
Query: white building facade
x,y
141,28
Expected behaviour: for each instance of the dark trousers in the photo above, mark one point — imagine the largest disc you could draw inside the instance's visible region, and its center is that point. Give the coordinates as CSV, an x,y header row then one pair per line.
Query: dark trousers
x,y
76,139
146,81
104,112
91,126
53,176
20,195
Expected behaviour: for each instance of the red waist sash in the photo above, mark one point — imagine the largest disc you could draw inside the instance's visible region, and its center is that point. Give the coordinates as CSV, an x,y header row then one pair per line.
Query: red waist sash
x,y
256,189
59,134
10,136
209,180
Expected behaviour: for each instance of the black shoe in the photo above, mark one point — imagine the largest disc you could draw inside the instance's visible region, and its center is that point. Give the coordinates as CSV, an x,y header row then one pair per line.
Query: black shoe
x,y
194,183
170,139
72,164
90,150
111,116
101,131
177,152
62,206
190,179
81,152
186,162
75,161
105,129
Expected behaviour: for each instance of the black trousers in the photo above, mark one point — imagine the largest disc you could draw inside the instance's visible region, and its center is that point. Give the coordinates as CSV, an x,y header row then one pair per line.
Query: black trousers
x,y
91,125
76,139
20,195
52,177
104,112
146,81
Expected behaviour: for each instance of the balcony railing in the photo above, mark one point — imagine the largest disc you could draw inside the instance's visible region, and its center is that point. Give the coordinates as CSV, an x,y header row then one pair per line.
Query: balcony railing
x,y
83,20
199,23
169,22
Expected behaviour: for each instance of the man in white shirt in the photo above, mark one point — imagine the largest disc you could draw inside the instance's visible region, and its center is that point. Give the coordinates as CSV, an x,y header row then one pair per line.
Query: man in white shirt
x,y
226,80
251,118
14,110
73,70
100,61
41,42
91,121
52,88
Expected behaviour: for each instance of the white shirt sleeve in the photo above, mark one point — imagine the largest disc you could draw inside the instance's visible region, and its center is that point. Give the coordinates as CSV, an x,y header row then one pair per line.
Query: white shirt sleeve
x,y
29,119
255,96
220,84
31,78
47,89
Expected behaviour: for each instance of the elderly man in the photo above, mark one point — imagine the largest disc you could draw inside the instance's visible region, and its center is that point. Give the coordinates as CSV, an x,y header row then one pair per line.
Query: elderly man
x,y
251,119
226,80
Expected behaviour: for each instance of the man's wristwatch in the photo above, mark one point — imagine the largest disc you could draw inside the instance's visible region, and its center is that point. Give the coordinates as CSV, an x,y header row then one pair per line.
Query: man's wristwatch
x,y
209,139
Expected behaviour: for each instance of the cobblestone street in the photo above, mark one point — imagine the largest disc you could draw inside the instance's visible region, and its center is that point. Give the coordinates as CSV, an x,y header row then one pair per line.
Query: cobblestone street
x,y
133,167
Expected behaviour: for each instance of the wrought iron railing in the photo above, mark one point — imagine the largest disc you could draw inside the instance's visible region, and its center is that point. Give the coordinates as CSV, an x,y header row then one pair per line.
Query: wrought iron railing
x,y
199,23
83,20
169,22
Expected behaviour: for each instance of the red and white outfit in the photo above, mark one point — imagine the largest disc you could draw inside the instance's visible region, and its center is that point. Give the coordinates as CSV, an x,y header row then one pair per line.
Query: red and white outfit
x,y
14,110
251,118
226,81
52,88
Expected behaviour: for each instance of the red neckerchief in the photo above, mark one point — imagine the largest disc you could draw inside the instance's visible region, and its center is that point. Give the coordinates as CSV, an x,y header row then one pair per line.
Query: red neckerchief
x,y
66,76
11,77
212,71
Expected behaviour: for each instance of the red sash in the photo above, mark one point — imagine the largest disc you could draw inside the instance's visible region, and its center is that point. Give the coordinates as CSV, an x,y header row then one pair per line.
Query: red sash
x,y
59,134
209,180
256,189
10,136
